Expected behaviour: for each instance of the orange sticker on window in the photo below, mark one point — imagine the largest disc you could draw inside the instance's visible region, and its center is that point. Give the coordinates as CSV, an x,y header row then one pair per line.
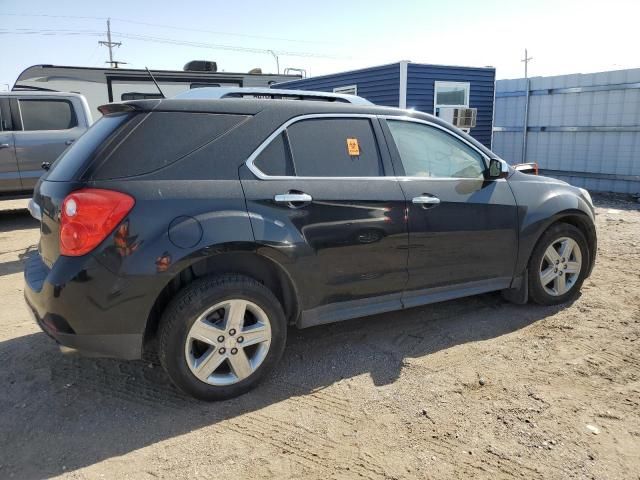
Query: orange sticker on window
x,y
352,147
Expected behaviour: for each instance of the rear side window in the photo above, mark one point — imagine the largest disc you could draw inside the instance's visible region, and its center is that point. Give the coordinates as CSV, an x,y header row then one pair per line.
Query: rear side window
x,y
335,147
275,160
66,167
157,139
47,114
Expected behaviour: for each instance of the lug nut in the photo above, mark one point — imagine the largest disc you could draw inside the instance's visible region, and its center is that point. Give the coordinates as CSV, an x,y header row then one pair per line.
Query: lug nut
x,y
234,351
240,339
220,339
562,260
232,332
555,270
557,262
222,350
560,273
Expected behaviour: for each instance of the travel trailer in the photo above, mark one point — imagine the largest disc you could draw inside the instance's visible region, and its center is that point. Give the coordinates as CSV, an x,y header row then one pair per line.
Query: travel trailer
x,y
105,85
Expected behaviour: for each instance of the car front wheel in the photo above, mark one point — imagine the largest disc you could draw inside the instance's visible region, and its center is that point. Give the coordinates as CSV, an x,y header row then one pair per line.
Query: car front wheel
x,y
558,265
221,335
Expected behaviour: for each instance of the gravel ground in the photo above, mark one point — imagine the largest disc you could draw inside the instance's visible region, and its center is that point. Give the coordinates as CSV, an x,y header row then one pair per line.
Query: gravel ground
x,y
468,388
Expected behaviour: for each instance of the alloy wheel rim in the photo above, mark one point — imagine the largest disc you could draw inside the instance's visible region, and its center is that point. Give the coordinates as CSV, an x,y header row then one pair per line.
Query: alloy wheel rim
x,y
560,266
228,342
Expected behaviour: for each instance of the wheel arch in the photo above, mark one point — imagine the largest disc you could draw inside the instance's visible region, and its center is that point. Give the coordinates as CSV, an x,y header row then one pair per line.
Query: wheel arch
x,y
243,261
578,219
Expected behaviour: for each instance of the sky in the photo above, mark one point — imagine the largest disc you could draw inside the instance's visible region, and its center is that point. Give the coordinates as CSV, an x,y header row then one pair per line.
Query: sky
x,y
562,36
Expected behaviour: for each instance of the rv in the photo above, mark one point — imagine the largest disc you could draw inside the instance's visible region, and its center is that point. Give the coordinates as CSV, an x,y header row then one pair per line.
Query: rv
x,y
106,85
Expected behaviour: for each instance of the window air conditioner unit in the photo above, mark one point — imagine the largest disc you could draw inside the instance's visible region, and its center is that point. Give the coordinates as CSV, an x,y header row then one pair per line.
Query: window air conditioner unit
x,y
459,116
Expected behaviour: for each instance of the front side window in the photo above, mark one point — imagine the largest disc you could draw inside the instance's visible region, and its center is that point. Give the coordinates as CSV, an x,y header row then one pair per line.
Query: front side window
x,y
335,147
427,151
47,114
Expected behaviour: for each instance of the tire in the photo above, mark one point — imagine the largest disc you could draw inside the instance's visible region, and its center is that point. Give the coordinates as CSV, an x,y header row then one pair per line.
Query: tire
x,y
197,334
574,269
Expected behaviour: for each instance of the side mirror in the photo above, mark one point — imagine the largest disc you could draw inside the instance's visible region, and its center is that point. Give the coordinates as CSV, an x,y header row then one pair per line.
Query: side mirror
x,y
498,169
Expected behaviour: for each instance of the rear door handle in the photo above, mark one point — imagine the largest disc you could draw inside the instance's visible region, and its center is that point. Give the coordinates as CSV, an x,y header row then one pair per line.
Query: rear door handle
x,y
426,199
69,142
292,198
4,145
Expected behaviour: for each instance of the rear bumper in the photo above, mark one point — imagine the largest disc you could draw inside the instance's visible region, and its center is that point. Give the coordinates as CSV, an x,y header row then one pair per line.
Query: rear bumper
x,y
85,307
126,347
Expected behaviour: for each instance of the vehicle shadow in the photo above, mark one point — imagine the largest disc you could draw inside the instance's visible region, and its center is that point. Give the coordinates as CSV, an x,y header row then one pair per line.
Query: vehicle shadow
x,y
12,220
16,266
65,411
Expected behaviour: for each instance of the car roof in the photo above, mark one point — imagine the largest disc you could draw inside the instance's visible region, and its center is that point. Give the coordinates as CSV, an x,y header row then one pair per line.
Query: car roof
x,y
213,93
39,93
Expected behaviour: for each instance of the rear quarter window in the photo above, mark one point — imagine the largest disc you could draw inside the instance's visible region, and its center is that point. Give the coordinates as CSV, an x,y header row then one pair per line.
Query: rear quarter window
x,y
154,140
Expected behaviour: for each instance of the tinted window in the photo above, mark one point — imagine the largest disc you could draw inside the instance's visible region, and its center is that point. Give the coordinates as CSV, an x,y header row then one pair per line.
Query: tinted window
x,y
275,160
430,152
47,115
67,165
335,147
155,140
140,96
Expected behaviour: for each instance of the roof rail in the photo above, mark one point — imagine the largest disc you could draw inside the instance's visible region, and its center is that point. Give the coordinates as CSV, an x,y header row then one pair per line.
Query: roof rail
x,y
215,93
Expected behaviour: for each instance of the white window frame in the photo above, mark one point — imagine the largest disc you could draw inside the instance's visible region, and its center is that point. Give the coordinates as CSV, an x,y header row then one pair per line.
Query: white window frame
x,y
437,83
347,90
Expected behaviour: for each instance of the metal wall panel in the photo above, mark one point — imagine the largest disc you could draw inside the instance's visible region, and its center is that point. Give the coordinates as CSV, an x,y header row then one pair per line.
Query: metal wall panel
x,y
585,129
380,85
421,89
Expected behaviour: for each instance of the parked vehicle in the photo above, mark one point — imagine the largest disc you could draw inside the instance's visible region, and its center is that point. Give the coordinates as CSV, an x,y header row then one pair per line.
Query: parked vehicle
x,y
35,128
201,229
102,85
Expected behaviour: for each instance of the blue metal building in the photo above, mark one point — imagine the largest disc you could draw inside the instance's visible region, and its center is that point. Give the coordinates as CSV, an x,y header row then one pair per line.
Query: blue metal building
x,y
419,86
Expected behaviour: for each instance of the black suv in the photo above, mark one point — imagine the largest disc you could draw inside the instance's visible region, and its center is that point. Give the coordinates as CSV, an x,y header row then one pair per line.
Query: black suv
x,y
201,229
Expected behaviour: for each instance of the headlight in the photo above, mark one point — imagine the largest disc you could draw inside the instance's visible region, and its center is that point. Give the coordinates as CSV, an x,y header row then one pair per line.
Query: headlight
x,y
585,194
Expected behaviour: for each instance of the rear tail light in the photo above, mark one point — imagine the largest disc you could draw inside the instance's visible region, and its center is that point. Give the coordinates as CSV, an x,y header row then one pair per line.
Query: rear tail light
x,y
88,217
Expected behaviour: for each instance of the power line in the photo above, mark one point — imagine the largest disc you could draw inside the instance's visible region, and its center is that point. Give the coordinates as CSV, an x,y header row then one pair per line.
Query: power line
x,y
170,41
216,46
173,27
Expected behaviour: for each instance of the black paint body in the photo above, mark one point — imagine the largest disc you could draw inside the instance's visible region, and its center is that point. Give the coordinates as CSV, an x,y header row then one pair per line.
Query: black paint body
x,y
359,247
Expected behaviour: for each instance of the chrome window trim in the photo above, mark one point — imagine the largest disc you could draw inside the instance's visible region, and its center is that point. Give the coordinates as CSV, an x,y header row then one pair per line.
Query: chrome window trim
x,y
262,176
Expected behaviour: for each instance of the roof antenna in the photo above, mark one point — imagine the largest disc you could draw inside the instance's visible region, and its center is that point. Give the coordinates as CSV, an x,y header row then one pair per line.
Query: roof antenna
x,y
154,81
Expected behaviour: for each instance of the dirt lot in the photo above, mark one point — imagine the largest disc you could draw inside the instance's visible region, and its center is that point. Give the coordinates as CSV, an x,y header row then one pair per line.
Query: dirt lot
x,y
470,388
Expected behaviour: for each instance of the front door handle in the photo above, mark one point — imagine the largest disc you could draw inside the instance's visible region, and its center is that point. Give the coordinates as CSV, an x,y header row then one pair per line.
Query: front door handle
x,y
293,198
4,145
426,200
69,142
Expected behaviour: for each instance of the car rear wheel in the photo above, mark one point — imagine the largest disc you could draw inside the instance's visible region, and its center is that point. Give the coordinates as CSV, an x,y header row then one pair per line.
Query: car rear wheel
x,y
221,335
558,265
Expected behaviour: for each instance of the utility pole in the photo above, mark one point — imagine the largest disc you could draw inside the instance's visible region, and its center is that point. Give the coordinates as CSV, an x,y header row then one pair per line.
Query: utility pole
x,y
525,123
526,61
109,44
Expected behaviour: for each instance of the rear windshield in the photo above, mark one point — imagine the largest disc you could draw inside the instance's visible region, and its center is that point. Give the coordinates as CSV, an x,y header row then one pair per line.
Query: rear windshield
x,y
66,167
